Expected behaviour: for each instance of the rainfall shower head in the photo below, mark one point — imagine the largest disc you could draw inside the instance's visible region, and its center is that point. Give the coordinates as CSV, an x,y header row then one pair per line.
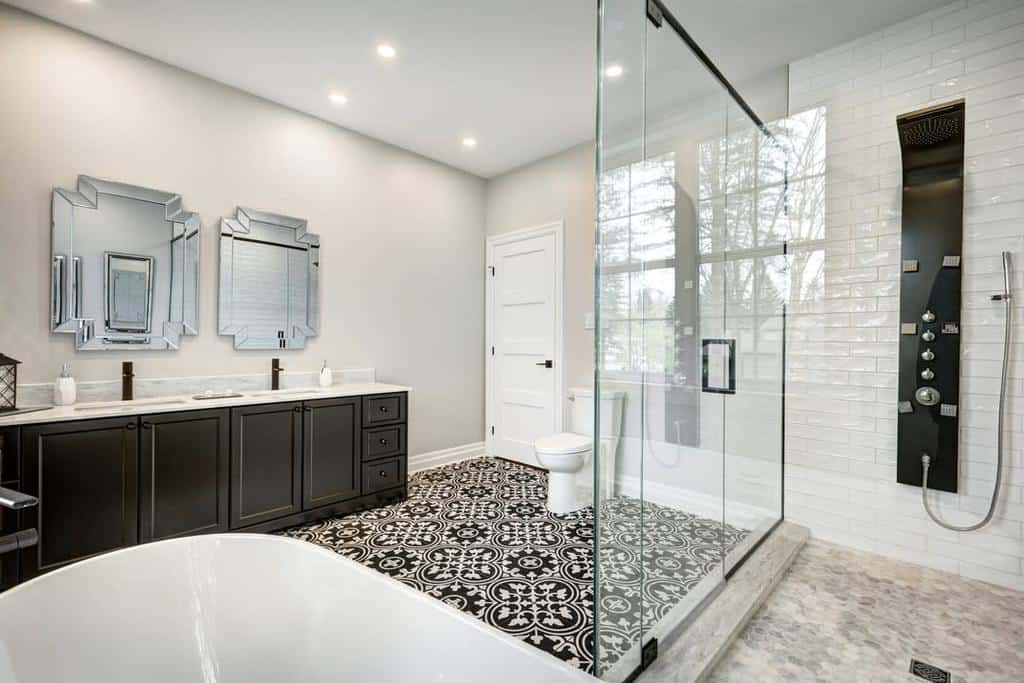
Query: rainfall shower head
x,y
930,130
932,137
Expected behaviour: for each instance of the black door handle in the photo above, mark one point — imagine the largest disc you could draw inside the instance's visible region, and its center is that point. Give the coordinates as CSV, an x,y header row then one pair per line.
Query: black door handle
x,y
546,363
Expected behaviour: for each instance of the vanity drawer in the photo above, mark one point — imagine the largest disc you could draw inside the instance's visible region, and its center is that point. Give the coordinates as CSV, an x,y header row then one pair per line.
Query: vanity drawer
x,y
383,441
383,409
383,474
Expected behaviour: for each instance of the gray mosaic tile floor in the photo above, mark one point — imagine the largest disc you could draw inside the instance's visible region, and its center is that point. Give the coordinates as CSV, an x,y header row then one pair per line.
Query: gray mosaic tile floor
x,y
841,616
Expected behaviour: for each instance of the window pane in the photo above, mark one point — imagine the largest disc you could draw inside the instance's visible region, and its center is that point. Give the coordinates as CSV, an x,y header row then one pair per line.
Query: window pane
x,y
615,298
711,225
806,202
654,235
659,346
712,168
772,216
739,170
654,293
614,240
652,184
739,221
615,346
613,194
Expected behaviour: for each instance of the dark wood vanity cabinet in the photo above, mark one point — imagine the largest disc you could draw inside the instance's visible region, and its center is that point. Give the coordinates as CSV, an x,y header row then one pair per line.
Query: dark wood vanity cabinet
x,y
183,474
109,483
86,476
266,462
331,452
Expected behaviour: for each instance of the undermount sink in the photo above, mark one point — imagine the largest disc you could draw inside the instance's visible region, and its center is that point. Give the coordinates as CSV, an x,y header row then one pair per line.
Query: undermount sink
x,y
126,406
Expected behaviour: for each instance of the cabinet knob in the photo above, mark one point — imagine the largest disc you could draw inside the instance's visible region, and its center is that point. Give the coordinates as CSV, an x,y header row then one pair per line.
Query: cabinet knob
x,y
383,442
298,409
147,425
130,426
307,409
383,473
383,409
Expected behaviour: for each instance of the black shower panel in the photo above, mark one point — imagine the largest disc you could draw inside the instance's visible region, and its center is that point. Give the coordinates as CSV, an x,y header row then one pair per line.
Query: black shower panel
x,y
932,146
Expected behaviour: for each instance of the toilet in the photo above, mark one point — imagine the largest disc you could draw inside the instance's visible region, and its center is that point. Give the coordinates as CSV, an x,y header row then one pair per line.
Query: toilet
x,y
564,455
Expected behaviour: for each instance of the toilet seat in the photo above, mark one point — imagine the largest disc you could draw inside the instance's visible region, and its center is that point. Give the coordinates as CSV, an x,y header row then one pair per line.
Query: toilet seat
x,y
566,443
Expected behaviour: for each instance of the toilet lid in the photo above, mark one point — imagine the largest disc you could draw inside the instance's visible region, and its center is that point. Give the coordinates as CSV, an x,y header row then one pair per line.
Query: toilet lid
x,y
563,443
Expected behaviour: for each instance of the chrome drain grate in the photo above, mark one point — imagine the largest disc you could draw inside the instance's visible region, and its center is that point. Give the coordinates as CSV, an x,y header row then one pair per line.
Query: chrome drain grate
x,y
929,672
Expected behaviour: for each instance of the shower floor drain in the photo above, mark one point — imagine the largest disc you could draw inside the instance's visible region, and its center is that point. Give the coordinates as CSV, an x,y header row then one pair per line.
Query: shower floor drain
x,y
929,672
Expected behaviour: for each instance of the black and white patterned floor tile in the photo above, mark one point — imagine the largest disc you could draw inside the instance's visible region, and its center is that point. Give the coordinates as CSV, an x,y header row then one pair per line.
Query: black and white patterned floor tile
x,y
477,534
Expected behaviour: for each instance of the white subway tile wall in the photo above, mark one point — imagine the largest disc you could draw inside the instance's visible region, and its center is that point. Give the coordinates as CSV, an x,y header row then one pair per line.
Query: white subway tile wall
x,y
842,347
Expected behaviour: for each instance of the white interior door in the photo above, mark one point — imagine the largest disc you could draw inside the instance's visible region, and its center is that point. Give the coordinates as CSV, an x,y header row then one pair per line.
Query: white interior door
x,y
525,358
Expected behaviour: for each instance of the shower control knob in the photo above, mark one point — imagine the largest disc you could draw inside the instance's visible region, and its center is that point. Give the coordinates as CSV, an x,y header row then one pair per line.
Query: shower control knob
x,y
927,354
927,396
928,317
928,336
927,374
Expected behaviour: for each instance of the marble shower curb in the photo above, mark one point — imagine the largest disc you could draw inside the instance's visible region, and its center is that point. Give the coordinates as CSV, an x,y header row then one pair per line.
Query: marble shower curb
x,y
693,655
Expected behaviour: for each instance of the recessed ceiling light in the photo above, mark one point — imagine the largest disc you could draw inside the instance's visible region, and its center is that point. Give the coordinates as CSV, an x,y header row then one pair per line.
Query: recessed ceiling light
x,y
469,142
613,71
337,98
386,51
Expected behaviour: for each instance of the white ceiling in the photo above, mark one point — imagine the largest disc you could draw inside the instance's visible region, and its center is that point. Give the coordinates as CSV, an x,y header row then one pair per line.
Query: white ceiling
x,y
518,75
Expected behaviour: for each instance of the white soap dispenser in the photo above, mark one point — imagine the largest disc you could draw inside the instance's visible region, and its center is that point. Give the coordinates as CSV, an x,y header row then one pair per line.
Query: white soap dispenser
x,y
65,392
326,376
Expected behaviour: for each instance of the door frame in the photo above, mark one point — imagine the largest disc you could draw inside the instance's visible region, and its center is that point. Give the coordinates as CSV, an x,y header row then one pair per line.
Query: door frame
x,y
556,228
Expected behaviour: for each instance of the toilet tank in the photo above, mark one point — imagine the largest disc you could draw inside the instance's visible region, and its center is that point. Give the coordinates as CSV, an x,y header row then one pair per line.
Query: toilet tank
x,y
582,412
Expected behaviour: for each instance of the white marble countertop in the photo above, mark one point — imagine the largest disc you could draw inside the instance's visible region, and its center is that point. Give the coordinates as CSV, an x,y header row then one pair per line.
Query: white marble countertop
x,y
171,404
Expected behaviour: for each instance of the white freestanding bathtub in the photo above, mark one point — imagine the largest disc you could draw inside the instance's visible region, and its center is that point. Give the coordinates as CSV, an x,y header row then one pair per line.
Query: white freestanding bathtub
x,y
252,608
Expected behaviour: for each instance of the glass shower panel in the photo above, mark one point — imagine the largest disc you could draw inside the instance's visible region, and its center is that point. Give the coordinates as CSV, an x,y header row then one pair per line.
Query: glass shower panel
x,y
756,291
684,428
691,278
618,341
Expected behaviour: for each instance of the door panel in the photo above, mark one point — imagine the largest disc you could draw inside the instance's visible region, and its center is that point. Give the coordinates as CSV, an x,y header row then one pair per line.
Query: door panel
x,y
85,475
266,463
332,451
184,474
524,312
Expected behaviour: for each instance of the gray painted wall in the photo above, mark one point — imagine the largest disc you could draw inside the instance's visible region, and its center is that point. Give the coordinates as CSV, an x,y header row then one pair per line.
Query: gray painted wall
x,y
403,247
560,187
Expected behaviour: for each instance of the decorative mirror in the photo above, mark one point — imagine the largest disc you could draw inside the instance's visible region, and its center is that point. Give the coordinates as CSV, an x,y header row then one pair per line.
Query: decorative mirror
x,y
124,266
269,280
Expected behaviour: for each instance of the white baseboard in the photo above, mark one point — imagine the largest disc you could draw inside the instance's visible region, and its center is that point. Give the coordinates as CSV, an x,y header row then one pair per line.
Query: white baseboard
x,y
446,456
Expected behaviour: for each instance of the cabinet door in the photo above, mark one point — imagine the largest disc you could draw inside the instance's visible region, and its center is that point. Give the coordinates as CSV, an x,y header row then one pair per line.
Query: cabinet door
x,y
85,474
183,487
332,471
266,463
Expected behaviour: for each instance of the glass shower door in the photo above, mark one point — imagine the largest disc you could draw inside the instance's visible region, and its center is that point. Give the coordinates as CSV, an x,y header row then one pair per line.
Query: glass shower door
x,y
690,288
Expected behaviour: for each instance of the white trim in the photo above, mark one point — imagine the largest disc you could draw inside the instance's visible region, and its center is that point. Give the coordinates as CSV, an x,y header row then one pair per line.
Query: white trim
x,y
556,228
445,456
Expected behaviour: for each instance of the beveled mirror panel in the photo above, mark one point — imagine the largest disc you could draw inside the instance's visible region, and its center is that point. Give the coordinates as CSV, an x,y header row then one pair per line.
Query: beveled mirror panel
x,y
124,266
269,280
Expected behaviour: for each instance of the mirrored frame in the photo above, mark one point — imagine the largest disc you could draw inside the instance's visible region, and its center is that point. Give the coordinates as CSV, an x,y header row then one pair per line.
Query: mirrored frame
x,y
100,219
269,280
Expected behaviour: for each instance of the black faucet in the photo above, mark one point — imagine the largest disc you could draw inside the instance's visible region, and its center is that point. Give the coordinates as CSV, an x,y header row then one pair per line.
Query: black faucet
x,y
275,374
127,375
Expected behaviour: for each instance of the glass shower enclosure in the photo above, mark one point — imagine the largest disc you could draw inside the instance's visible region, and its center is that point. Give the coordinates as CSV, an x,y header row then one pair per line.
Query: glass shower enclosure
x,y
698,198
